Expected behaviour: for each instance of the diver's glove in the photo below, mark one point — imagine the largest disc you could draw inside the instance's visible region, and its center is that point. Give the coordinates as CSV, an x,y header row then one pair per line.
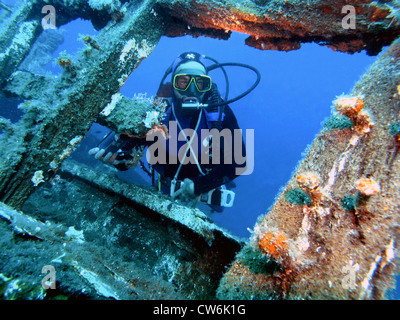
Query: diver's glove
x,y
115,150
185,192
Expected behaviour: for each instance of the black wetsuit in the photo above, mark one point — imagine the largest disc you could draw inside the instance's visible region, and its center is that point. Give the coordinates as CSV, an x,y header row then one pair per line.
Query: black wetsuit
x,y
215,175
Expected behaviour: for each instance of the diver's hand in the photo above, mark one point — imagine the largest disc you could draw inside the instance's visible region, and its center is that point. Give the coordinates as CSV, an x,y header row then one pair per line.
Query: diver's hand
x,y
109,152
186,191
101,154
120,160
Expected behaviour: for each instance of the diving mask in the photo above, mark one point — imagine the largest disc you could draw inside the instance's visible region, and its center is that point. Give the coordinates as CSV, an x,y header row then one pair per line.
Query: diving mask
x,y
190,84
183,81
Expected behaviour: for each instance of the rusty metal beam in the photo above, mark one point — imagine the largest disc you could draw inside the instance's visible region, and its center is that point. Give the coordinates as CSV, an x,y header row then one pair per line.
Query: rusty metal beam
x,y
286,24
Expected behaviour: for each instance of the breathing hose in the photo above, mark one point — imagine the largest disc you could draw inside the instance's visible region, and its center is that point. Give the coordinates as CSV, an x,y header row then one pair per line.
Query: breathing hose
x,y
255,84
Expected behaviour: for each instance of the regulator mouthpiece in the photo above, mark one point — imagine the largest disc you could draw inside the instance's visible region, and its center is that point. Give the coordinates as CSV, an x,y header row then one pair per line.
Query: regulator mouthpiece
x,y
193,105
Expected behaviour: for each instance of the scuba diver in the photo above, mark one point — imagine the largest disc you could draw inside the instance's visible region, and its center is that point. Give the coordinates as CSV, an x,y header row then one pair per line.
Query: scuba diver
x,y
194,103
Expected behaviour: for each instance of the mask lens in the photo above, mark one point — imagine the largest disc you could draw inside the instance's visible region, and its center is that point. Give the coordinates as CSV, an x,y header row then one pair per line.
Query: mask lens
x,y
182,82
203,83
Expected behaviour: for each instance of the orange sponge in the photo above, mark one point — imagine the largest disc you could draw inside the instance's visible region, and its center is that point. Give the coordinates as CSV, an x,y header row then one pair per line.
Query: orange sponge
x,y
274,244
367,186
349,106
